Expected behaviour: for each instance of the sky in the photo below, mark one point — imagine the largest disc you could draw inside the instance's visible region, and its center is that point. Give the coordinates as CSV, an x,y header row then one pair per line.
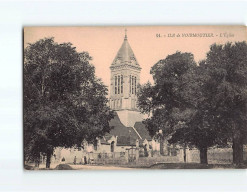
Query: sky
x,y
103,43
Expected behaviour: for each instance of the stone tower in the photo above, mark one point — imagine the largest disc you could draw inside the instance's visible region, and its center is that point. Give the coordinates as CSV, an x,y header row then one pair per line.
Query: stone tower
x,y
125,77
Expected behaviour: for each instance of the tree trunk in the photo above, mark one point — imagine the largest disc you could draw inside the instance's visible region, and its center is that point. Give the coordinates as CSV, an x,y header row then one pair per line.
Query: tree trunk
x,y
48,159
184,149
37,160
203,155
37,163
237,147
162,145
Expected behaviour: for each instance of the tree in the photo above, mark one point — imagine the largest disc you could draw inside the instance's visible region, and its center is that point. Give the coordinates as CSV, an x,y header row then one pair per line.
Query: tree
x,y
196,126
206,105
166,96
64,102
227,70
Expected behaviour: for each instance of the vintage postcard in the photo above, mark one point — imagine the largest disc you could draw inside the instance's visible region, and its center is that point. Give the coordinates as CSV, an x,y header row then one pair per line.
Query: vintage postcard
x,y
131,97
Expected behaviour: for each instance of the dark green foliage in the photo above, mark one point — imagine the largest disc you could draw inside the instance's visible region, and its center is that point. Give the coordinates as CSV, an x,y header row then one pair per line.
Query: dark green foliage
x,y
200,106
227,70
63,100
166,96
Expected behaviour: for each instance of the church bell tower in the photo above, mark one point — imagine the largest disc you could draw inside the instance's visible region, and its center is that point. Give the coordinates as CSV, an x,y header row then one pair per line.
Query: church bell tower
x,y
125,77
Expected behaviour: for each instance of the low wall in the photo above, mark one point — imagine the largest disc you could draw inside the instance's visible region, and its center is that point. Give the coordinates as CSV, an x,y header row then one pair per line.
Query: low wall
x,y
148,161
118,161
109,158
215,155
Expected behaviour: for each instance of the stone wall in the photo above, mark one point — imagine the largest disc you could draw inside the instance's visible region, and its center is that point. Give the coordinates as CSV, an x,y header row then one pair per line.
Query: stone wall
x,y
148,161
215,155
123,156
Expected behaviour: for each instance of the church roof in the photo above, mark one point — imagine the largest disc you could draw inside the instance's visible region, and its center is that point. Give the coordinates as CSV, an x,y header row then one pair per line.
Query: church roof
x,y
128,135
118,129
125,55
129,118
143,132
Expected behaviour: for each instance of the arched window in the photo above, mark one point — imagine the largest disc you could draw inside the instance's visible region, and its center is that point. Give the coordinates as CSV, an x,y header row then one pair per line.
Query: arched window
x,y
118,86
121,84
135,85
115,84
132,90
130,83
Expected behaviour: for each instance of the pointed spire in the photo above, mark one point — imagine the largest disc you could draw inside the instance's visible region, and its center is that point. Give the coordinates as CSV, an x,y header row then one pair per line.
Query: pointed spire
x,y
125,55
125,37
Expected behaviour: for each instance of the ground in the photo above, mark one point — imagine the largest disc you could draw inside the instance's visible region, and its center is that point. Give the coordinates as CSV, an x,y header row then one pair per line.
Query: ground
x,y
136,166
195,166
76,167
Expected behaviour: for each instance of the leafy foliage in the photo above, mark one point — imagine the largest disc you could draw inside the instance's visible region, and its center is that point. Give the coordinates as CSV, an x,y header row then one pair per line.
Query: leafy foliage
x,y
200,106
227,69
162,99
64,102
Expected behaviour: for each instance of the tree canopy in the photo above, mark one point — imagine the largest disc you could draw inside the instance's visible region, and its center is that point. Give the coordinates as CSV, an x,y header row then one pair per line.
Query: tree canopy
x,y
227,70
64,102
166,95
200,105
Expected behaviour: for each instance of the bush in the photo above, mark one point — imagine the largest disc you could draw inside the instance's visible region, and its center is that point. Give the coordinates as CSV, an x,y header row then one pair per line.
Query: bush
x,y
63,167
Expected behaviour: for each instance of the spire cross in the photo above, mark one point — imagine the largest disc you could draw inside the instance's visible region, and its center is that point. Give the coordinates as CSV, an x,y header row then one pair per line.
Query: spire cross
x,y
125,38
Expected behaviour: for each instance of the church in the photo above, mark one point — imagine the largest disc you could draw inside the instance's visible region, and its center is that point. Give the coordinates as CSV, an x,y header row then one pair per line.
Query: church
x,y
127,128
128,134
